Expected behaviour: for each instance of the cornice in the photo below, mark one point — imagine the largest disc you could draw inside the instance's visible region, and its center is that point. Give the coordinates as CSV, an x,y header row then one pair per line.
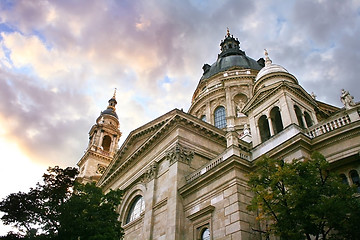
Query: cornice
x,y
299,141
95,154
179,118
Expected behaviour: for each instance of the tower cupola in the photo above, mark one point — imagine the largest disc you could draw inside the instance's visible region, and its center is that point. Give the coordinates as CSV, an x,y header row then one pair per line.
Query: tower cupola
x,y
230,46
111,108
104,137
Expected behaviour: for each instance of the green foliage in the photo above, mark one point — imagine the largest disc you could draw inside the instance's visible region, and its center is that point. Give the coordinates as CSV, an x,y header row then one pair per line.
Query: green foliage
x,y
303,199
62,208
90,214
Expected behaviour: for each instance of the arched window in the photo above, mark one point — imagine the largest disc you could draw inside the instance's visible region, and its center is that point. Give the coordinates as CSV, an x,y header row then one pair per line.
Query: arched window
x,y
308,119
106,143
355,179
264,128
344,179
299,116
203,118
276,120
220,117
136,208
205,235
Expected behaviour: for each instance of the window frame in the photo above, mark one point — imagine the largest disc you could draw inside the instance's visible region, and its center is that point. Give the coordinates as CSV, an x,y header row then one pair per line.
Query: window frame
x,y
220,117
130,212
264,128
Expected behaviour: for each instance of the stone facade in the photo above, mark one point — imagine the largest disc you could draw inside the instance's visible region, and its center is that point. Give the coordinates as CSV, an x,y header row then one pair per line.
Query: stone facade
x,y
184,178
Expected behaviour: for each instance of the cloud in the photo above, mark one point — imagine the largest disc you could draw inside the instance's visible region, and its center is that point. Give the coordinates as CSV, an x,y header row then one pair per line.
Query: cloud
x,y
61,60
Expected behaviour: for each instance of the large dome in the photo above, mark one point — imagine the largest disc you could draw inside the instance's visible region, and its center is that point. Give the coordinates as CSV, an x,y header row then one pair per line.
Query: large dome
x,y
231,56
271,68
271,74
225,63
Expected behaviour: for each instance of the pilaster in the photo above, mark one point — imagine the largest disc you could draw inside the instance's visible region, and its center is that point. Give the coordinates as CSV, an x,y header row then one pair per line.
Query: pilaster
x,y
149,197
179,158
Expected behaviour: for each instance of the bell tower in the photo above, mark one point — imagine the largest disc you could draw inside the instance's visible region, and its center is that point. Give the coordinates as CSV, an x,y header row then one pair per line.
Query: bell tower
x,y
104,137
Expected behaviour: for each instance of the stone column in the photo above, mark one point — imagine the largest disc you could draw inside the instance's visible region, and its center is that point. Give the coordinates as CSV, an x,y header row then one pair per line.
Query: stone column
x,y
270,126
303,119
229,108
100,137
254,131
112,145
291,111
208,113
286,116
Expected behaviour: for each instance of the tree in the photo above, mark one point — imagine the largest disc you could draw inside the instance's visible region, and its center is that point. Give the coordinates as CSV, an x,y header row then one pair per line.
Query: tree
x,y
61,208
304,200
36,213
91,215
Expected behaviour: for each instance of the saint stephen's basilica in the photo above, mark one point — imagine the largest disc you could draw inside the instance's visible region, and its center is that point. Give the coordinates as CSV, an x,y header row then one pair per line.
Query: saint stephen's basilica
x,y
185,173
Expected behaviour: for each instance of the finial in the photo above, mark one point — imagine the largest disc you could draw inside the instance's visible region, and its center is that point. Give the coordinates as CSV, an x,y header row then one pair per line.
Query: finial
x,y
267,59
228,32
313,95
114,93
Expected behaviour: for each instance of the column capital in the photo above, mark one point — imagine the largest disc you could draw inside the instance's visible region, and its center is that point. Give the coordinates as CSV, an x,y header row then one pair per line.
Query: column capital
x,y
180,153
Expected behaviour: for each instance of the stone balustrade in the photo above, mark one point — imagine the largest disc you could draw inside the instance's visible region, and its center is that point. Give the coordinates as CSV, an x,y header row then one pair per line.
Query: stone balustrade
x,y
204,169
329,125
214,163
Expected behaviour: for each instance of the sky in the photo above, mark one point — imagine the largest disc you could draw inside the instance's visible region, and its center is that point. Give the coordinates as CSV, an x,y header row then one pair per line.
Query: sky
x,y
60,61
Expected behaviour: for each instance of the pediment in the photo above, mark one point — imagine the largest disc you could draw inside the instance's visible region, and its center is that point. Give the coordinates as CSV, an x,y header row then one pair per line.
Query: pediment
x,y
271,90
144,138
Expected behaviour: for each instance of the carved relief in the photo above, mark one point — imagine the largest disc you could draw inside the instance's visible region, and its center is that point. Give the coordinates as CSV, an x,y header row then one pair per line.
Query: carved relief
x,y
240,100
180,153
151,172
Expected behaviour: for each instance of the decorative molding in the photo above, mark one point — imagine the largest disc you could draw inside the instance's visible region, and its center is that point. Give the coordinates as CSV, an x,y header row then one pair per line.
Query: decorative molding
x,y
205,211
151,172
119,164
180,153
160,204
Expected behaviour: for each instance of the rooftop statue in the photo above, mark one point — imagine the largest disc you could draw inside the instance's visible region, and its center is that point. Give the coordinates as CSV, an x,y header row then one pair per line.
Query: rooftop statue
x,y
347,99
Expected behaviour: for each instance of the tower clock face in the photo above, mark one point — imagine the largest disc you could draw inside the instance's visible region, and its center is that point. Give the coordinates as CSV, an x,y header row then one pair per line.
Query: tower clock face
x,y
100,169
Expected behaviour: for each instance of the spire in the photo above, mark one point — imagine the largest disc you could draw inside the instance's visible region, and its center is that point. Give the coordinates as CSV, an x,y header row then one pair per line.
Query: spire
x,y
267,59
112,102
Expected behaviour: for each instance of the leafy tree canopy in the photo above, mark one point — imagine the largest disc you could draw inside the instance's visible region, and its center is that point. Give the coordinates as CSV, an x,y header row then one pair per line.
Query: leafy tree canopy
x,y
302,199
61,208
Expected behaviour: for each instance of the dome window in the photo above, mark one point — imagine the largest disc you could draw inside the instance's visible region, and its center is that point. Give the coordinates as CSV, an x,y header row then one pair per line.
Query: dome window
x,y
203,118
299,116
264,128
276,120
220,117
308,119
